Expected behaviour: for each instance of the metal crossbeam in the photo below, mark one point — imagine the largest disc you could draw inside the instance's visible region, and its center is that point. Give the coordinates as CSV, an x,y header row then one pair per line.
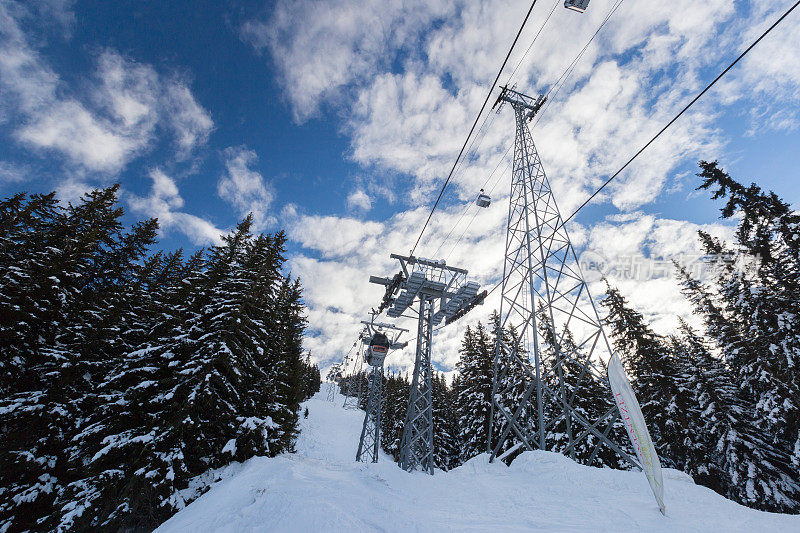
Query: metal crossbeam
x,y
541,271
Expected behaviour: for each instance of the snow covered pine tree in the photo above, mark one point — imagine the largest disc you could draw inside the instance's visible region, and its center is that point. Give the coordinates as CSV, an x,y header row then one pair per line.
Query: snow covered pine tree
x,y
127,374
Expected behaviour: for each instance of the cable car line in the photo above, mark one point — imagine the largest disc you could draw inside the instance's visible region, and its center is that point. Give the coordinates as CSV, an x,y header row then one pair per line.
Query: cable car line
x,y
676,117
673,120
486,117
481,129
475,123
564,76
469,204
521,59
561,81
496,182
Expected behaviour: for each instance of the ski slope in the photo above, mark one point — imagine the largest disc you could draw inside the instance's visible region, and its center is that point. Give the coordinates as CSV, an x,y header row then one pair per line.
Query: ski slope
x,y
322,488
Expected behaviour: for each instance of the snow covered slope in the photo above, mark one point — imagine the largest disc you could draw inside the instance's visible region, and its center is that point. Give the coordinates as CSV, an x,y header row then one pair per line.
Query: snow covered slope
x,y
322,488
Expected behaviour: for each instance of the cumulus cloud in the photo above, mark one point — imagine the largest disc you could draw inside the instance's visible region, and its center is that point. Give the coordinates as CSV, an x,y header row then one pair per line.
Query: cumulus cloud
x,y
320,47
359,200
638,249
189,121
116,116
410,90
165,203
244,188
337,236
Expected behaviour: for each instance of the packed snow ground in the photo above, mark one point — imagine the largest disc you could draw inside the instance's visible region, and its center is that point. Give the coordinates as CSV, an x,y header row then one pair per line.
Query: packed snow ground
x,y
322,488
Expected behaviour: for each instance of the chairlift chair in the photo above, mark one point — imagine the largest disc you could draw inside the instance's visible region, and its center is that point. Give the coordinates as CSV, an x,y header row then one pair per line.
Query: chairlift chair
x,y
483,200
576,5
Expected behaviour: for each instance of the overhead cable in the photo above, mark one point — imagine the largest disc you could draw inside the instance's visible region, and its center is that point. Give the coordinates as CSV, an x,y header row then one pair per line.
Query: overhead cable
x,y
475,123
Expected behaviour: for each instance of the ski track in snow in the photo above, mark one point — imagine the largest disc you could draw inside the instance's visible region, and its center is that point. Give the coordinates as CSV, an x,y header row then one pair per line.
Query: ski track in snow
x,y
322,488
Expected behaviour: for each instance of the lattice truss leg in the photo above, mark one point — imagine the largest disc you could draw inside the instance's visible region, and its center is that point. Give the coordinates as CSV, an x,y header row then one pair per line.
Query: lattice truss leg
x,y
370,441
416,452
558,340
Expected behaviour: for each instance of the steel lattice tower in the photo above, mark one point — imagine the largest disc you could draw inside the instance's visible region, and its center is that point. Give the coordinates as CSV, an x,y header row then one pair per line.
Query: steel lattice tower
x,y
370,441
332,383
541,274
331,391
416,452
444,294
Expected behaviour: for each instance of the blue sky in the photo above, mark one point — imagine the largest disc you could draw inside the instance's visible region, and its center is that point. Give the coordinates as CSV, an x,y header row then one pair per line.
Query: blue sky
x,y
337,121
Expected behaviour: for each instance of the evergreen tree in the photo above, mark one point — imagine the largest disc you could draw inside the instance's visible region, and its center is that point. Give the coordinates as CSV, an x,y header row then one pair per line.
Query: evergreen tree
x,y
125,375
73,284
657,378
735,458
311,379
514,379
445,449
589,397
473,395
395,404
758,306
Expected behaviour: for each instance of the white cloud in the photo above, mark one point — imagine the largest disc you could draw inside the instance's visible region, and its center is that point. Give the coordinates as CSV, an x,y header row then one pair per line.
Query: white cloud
x,y
338,294
115,116
69,128
12,172
164,203
319,46
360,200
190,122
245,188
407,111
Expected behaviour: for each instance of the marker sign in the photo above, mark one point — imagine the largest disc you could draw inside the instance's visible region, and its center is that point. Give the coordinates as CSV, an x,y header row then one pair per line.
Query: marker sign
x,y
631,415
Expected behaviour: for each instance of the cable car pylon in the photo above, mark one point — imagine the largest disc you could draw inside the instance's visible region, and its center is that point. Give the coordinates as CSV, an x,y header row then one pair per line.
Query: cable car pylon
x,y
354,390
334,377
378,348
443,292
541,271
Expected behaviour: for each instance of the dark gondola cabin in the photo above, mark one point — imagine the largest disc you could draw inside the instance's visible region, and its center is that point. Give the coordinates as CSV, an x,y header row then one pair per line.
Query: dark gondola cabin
x,y
378,348
577,5
483,200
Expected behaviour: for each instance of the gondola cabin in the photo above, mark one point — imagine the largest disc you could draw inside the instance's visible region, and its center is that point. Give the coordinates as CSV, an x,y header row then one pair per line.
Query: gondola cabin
x,y
576,5
483,200
337,378
378,348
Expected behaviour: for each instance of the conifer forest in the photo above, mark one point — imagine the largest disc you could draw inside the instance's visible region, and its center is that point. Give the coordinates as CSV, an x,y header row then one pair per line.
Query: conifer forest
x,y
126,374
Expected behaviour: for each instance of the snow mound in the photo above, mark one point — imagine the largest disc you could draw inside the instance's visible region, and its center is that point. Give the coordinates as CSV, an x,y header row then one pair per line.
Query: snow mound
x,y
322,488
